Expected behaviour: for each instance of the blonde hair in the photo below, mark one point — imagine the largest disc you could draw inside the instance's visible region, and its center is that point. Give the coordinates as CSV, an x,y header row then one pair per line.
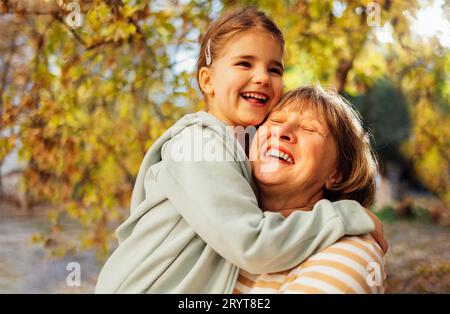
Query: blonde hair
x,y
228,25
356,160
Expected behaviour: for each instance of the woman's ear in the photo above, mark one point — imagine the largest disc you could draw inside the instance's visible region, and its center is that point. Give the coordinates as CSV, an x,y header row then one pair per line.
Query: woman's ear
x,y
204,79
333,179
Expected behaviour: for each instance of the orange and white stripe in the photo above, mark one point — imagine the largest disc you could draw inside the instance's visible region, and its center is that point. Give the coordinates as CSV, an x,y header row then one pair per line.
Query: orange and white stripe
x,y
351,265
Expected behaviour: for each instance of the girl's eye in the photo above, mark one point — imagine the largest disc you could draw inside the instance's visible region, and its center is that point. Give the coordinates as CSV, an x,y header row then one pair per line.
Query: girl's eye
x,y
244,64
276,71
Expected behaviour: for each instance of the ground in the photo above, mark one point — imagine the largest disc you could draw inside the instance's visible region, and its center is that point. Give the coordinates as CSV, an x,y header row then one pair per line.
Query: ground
x,y
418,260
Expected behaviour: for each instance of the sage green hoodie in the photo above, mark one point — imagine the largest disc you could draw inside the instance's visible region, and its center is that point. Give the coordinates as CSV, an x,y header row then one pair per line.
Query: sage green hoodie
x,y
194,222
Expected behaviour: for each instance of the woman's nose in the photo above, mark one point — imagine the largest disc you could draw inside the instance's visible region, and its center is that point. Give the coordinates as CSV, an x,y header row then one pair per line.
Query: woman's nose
x,y
285,132
286,137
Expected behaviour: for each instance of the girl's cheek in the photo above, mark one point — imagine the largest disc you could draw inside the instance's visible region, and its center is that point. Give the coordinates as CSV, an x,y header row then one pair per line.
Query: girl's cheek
x,y
278,93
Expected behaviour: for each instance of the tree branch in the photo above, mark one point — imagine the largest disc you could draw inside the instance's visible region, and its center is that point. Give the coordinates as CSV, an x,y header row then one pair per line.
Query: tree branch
x,y
129,176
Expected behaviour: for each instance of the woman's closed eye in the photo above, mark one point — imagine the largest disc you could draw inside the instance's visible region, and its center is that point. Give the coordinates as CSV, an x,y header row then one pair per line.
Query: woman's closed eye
x,y
308,128
275,120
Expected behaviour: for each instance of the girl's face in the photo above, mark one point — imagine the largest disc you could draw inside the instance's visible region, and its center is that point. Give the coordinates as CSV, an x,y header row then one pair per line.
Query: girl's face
x,y
294,152
246,79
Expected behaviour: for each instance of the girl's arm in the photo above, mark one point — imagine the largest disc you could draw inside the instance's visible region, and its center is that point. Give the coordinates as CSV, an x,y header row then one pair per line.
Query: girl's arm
x,y
219,204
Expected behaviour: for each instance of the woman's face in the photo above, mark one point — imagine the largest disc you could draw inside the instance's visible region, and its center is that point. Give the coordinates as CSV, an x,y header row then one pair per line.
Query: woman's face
x,y
294,151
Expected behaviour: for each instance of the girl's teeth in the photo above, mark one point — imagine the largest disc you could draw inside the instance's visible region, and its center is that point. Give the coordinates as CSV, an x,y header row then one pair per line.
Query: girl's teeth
x,y
254,96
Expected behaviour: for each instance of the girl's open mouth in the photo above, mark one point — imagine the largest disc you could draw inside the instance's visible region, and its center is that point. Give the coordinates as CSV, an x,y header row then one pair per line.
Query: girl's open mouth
x,y
255,98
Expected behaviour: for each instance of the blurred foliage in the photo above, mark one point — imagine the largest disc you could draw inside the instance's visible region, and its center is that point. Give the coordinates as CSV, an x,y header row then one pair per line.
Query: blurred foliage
x,y
387,214
84,104
386,114
391,214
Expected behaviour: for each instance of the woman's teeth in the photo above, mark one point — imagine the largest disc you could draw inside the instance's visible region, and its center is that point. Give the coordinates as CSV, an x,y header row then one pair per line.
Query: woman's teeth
x,y
279,154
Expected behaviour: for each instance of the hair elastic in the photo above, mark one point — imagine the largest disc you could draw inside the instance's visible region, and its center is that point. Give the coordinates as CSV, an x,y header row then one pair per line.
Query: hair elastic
x,y
208,53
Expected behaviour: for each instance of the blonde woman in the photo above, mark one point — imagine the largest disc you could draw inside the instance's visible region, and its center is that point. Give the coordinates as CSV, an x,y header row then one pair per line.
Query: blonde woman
x,y
312,150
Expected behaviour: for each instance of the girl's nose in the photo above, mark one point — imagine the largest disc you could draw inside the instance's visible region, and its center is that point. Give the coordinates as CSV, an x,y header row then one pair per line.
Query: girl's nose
x,y
261,77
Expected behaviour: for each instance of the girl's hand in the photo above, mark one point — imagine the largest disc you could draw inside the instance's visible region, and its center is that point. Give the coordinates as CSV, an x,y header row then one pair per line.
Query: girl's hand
x,y
378,233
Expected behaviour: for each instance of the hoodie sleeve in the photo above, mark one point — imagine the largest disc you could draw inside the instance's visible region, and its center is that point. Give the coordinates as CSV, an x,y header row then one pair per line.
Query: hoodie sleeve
x,y
219,204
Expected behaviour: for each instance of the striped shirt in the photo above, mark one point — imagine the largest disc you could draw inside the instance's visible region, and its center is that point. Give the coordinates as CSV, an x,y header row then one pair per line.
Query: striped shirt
x,y
354,264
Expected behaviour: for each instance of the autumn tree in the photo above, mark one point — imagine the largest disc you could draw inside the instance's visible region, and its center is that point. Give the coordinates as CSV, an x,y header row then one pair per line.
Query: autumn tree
x,y
84,96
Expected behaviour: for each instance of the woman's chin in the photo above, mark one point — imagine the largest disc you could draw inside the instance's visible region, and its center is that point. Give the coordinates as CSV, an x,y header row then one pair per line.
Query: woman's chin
x,y
272,167
267,177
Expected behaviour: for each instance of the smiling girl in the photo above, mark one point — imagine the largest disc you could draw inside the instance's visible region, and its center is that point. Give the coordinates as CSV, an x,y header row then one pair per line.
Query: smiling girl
x,y
194,223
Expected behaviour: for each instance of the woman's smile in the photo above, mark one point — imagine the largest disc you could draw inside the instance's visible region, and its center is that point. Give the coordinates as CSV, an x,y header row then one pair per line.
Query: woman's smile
x,y
281,154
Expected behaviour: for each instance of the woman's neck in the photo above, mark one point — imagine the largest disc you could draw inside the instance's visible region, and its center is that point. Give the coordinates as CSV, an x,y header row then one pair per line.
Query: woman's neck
x,y
287,204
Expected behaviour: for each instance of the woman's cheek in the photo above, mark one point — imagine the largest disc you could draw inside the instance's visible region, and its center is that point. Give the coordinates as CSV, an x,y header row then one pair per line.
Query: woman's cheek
x,y
319,149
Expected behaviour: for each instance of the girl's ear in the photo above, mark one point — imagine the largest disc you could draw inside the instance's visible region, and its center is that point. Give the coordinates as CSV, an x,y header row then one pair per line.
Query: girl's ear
x,y
333,179
205,80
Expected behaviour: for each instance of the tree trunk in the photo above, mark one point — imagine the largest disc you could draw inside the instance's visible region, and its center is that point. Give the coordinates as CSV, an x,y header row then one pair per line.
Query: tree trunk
x,y
342,73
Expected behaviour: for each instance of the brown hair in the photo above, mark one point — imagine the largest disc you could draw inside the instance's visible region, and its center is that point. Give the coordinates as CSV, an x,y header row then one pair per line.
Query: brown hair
x,y
356,160
230,24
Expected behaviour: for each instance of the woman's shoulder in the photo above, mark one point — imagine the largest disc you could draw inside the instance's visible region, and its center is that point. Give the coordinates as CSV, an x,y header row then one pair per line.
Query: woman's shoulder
x,y
362,249
365,240
353,264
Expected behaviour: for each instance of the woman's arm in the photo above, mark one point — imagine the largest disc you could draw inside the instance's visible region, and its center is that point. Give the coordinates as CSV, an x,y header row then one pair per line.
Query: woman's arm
x,y
218,203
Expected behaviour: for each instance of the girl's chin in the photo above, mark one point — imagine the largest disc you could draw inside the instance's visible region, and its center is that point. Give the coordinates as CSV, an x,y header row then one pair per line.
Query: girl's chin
x,y
252,121
253,118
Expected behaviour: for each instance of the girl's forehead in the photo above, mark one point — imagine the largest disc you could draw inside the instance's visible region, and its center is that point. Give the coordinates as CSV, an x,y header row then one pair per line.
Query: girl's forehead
x,y
247,42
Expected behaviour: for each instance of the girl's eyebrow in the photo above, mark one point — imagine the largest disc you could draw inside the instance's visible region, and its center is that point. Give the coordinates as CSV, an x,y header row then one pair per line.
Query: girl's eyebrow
x,y
250,57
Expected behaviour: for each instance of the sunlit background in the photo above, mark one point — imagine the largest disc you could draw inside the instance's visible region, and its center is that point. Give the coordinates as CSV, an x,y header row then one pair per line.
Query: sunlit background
x,y
87,86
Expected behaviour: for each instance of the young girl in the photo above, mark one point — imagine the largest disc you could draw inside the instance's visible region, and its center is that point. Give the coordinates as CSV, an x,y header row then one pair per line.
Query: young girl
x,y
194,222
